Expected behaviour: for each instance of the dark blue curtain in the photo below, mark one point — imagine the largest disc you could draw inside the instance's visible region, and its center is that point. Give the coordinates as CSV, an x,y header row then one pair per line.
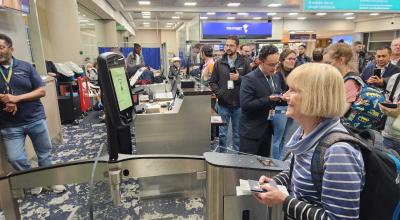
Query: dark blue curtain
x,y
104,49
182,57
152,57
126,50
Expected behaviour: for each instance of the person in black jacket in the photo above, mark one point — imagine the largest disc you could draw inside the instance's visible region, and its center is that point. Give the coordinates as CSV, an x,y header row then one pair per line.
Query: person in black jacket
x,y
302,58
383,65
257,101
360,59
225,83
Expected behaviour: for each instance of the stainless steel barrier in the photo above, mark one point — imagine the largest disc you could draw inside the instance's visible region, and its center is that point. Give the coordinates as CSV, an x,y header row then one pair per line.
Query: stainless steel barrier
x,y
223,174
158,176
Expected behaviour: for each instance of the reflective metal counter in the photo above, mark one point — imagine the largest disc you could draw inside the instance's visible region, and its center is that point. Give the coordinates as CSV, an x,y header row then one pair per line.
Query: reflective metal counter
x,y
157,176
184,130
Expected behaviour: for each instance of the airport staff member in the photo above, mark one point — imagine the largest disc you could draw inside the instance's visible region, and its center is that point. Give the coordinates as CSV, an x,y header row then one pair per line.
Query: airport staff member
x,y
21,112
257,101
135,57
225,83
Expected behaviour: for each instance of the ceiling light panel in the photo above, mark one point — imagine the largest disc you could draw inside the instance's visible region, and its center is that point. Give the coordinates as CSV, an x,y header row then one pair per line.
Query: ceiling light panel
x,y
242,14
233,4
271,13
230,18
274,5
321,14
144,2
257,18
293,14
276,18
203,18
347,14
190,3
301,18
175,17
210,13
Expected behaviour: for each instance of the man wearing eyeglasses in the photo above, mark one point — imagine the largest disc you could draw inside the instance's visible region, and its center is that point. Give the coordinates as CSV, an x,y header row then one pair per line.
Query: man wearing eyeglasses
x,y
258,94
225,83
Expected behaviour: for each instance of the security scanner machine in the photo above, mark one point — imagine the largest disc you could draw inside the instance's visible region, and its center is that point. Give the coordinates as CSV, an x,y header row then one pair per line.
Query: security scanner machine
x,y
118,105
119,185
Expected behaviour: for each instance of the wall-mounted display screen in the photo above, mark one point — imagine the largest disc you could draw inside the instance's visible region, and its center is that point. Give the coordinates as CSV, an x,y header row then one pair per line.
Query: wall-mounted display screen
x,y
20,5
355,5
121,88
249,30
348,39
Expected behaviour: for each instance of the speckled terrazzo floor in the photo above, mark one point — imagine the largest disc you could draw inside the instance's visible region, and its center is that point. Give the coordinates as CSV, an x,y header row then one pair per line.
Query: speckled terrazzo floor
x,y
83,141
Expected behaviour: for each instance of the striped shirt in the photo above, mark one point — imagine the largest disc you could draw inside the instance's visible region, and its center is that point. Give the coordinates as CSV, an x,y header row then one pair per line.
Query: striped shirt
x,y
343,178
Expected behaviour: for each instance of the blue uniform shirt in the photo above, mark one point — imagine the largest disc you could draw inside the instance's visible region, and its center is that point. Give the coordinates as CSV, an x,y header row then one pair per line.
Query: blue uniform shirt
x,y
24,79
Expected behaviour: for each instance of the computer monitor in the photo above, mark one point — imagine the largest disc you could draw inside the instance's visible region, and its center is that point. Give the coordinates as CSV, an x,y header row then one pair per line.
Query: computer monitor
x,y
121,88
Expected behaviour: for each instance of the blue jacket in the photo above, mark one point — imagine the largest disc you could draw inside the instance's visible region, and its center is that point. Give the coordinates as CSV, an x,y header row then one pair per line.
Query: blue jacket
x,y
389,71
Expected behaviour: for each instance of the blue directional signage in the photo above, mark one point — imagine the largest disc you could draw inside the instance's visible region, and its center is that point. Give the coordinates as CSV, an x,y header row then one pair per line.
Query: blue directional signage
x,y
355,5
250,30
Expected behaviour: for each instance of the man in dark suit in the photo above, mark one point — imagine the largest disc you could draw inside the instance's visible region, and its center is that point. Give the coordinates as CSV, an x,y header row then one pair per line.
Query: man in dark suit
x,y
379,73
257,101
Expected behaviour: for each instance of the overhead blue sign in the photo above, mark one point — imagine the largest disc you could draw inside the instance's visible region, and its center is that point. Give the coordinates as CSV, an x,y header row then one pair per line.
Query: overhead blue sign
x,y
358,5
253,30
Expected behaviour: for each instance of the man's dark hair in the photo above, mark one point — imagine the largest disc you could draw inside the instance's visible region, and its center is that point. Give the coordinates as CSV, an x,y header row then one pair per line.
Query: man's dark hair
x,y
207,50
136,45
197,46
341,41
7,39
385,48
303,45
266,51
235,38
317,54
357,43
244,45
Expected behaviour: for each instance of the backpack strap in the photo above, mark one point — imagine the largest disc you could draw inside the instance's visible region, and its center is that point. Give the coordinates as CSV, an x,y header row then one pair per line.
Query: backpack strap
x,y
354,77
317,161
396,83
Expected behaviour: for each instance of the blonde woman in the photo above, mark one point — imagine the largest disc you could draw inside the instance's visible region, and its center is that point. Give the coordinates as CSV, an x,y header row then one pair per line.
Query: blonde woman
x,y
316,100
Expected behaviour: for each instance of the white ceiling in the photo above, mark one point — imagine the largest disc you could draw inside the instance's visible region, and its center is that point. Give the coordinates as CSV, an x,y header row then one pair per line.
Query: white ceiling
x,y
161,12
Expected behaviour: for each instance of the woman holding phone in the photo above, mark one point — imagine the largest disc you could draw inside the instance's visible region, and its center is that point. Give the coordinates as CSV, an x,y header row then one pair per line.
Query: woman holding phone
x,y
318,114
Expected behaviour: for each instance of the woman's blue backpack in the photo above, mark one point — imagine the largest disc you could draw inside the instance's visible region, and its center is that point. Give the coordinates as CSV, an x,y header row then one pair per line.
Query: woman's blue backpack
x,y
365,113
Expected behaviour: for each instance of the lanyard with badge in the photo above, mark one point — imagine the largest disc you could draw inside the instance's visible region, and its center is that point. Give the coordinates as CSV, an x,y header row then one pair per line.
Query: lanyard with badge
x,y
272,85
7,79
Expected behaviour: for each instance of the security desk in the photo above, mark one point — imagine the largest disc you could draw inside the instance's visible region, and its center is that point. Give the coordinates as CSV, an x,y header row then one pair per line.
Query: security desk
x,y
184,129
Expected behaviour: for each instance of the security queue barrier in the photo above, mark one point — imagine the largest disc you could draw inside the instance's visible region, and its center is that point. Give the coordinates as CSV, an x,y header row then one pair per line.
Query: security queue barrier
x,y
213,178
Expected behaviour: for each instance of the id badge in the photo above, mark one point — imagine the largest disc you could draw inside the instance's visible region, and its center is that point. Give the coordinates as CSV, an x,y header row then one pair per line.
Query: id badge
x,y
271,114
230,84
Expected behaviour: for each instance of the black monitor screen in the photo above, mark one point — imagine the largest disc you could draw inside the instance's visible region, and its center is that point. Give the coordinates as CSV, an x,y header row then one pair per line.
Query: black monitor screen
x,y
121,88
